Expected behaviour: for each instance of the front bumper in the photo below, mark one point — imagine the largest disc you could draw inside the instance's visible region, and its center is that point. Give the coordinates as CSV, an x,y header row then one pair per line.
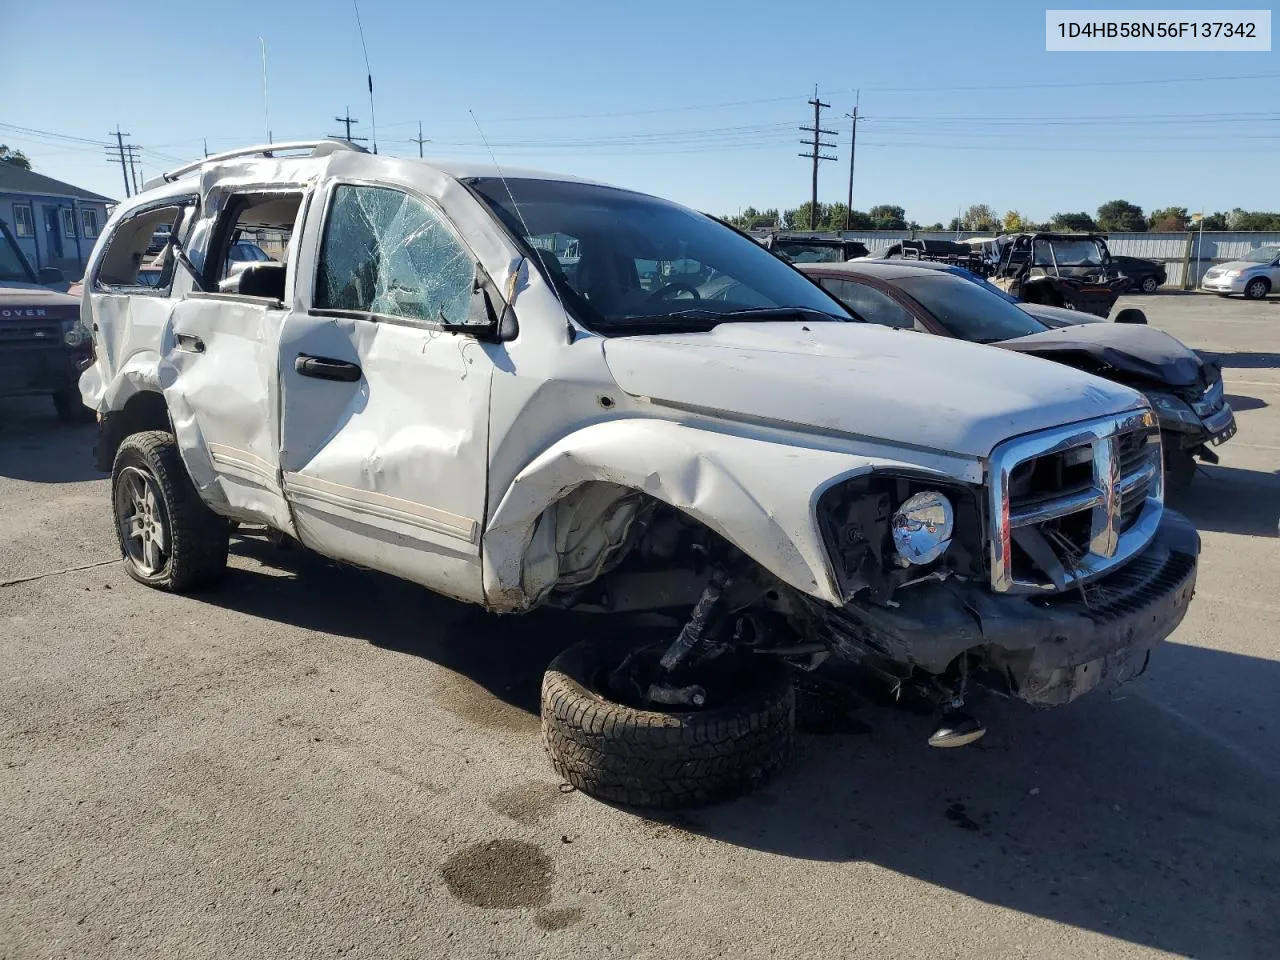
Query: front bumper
x,y
1224,284
1215,428
1046,650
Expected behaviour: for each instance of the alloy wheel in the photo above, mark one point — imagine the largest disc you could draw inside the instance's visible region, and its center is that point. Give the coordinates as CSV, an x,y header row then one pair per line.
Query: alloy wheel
x,y
143,524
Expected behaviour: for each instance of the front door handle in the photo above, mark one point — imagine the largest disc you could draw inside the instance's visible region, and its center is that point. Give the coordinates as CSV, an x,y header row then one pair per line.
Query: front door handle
x,y
326,368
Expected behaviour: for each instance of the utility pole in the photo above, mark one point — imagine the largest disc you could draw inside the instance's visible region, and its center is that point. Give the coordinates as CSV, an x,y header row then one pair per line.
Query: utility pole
x,y
206,146
816,154
348,120
119,155
853,145
133,159
419,140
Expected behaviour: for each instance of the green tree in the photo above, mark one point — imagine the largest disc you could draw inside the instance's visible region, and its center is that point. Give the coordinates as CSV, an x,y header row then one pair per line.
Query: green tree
x,y
980,217
1121,216
15,157
1073,221
1014,222
888,216
1169,220
935,227
1215,221
1239,219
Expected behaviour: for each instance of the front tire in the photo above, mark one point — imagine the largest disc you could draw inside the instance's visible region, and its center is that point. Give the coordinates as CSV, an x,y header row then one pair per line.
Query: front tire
x,y
653,758
168,538
1150,285
1257,289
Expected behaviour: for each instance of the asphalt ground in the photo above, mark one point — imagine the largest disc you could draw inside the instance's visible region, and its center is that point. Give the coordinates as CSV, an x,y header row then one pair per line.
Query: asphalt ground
x,y
313,760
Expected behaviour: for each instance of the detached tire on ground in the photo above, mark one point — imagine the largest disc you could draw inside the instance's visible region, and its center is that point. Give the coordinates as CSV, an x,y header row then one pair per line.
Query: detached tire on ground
x,y
168,538
652,758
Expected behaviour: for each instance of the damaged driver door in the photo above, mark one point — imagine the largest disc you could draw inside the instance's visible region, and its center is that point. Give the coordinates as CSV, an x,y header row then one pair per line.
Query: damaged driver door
x,y
384,412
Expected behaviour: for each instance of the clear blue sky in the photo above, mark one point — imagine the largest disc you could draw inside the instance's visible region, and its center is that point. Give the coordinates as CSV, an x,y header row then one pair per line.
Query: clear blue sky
x,y
697,100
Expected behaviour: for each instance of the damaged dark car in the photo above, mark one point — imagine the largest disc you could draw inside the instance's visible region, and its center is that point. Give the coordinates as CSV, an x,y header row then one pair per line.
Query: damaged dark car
x,y
1185,390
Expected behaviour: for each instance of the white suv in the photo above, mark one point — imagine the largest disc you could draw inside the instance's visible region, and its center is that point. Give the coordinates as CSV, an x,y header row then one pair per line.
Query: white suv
x,y
529,390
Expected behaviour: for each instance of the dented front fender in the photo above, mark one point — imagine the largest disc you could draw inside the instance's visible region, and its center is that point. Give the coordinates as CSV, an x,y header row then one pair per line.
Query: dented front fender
x,y
758,493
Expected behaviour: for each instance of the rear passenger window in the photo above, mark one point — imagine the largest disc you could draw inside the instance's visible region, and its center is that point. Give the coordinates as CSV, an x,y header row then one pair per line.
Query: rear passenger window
x,y
385,252
125,263
869,303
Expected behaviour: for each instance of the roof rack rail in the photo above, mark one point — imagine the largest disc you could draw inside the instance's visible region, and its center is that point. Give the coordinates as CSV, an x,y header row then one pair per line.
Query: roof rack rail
x,y
318,148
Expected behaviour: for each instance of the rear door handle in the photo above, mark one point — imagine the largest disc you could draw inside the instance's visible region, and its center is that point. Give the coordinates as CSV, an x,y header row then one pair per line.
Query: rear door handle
x,y
326,368
190,343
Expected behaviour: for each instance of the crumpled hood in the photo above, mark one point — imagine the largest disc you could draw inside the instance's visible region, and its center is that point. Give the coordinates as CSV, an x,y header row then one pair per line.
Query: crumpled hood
x,y
862,380
1059,316
1131,348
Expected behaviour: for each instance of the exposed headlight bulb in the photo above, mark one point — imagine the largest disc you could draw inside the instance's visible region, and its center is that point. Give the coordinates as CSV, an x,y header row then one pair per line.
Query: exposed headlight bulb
x,y
922,527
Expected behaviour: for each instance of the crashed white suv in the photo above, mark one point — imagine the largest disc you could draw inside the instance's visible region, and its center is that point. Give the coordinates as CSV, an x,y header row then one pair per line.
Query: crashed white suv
x,y
532,390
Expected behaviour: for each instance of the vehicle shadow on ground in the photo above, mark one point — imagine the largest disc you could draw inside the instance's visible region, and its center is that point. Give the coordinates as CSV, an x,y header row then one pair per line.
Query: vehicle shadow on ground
x,y
504,655
1243,359
1231,500
1240,403
1118,815
38,447
1115,816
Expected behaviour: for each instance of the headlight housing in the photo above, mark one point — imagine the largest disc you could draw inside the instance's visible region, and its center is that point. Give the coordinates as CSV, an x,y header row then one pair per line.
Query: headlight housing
x,y
1169,407
881,528
1232,273
922,527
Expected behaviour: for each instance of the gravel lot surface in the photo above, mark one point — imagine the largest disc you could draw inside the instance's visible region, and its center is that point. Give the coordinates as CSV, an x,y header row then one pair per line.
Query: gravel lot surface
x,y
321,761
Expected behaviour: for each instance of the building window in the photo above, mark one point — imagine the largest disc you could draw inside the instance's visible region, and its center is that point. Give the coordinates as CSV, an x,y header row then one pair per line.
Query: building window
x,y
24,221
89,221
68,222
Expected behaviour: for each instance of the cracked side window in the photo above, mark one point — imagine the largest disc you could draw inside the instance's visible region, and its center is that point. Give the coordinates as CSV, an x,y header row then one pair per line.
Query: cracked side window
x,y
388,253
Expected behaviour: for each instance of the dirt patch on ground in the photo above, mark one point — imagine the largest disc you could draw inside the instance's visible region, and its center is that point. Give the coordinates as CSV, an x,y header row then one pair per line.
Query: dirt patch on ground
x,y
557,919
500,875
528,803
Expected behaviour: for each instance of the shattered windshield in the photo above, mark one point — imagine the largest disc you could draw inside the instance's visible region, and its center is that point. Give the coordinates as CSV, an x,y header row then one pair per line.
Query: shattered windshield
x,y
621,260
1262,255
11,265
967,311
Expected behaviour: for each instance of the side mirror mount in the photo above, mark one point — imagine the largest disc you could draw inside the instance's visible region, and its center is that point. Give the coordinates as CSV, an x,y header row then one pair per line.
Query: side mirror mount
x,y
49,276
488,315
1131,315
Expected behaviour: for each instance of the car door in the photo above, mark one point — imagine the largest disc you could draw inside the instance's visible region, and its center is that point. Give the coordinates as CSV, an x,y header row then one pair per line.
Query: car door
x,y
220,376
384,428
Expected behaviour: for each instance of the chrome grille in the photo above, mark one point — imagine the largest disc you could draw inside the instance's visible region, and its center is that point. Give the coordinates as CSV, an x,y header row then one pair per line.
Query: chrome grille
x,y
1070,503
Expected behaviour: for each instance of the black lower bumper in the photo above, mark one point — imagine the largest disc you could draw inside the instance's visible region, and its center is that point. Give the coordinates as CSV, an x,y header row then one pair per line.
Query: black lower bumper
x,y
1048,650
41,370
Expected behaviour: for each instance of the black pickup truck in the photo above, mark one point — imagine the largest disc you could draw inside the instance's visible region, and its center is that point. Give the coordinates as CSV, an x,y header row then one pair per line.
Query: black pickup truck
x,y
43,345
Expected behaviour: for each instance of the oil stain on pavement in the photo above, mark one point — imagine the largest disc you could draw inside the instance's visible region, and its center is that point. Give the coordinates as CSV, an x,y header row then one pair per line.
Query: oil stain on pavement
x,y
500,875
